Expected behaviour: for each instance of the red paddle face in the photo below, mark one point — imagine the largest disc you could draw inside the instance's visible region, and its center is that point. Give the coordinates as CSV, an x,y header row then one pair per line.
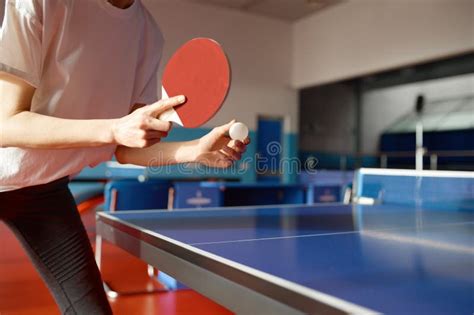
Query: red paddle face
x,y
200,71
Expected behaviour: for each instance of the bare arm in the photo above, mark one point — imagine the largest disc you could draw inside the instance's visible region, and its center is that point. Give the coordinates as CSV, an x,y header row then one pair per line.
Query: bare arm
x,y
163,153
215,149
20,127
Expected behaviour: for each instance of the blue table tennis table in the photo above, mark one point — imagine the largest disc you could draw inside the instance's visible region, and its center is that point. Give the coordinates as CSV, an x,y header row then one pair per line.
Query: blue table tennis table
x,y
310,259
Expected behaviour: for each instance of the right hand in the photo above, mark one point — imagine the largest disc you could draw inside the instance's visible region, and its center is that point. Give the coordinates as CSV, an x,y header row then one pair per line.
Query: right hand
x,y
141,128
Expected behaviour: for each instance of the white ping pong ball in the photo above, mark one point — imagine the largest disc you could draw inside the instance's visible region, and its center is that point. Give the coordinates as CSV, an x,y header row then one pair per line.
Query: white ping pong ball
x,y
238,131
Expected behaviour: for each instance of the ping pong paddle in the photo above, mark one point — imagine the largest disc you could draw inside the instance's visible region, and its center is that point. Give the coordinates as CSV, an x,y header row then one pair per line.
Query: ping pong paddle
x,y
199,70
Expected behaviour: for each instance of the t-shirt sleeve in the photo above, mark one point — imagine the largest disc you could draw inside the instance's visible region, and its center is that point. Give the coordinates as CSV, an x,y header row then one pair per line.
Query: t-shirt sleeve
x,y
147,80
20,40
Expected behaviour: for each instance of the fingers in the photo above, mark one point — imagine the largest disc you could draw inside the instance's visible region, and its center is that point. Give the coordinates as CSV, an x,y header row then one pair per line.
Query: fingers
x,y
163,105
217,159
231,153
153,134
239,146
151,142
158,125
223,161
145,143
224,129
149,138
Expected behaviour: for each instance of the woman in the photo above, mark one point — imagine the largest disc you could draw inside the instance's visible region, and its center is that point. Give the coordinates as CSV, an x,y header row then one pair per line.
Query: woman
x,y
75,81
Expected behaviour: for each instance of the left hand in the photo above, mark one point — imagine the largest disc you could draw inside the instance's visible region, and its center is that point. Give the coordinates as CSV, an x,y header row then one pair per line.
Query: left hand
x,y
217,149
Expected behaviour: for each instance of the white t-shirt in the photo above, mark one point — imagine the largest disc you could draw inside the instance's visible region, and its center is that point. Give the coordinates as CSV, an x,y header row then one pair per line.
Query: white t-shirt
x,y
87,60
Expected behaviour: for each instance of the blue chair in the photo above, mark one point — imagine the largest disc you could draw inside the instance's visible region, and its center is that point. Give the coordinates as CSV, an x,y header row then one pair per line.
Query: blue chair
x,y
84,191
131,194
324,194
263,193
327,185
197,195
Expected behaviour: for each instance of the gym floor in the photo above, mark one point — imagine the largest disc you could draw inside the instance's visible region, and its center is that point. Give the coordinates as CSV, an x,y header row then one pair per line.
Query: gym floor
x,y
19,282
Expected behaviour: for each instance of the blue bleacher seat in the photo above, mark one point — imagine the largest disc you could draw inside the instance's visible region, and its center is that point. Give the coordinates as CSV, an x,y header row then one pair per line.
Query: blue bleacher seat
x,y
130,194
83,191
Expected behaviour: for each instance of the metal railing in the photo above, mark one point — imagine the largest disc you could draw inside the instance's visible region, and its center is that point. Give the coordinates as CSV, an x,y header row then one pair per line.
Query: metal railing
x,y
433,156
384,157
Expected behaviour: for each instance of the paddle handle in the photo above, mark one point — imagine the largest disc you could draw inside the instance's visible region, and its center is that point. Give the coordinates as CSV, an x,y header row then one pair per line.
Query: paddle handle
x,y
169,115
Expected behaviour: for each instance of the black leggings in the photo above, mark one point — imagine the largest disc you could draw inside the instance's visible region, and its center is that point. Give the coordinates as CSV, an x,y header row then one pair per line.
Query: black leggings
x,y
46,221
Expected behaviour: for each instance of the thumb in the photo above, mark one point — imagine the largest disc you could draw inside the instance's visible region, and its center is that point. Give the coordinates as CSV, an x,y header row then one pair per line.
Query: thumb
x,y
224,129
163,105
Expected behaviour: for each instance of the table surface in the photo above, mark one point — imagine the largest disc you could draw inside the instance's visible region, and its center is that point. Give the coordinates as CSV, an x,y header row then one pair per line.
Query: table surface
x,y
395,260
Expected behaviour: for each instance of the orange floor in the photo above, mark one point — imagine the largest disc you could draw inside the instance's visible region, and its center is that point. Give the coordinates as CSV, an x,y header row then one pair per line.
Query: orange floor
x,y
23,292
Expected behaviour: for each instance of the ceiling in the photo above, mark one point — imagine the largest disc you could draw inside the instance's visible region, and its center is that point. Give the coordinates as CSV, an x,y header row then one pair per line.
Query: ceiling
x,y
289,10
